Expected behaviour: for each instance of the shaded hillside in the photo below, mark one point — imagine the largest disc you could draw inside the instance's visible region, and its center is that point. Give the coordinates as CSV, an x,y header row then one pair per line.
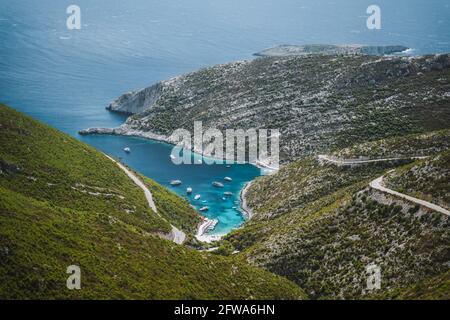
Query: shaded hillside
x,y
64,203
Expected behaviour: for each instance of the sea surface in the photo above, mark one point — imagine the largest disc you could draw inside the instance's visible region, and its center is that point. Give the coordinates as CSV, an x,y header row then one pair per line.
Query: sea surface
x,y
65,78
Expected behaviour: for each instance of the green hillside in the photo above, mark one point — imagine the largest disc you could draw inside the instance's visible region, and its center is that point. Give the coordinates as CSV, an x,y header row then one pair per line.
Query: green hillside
x,y
64,203
320,224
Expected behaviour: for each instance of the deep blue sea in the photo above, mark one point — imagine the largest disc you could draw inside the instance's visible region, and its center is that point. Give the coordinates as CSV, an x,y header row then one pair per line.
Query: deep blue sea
x,y
66,77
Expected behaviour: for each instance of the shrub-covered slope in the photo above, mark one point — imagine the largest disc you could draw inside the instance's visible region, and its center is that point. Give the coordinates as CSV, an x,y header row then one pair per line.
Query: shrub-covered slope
x,y
64,203
427,180
320,225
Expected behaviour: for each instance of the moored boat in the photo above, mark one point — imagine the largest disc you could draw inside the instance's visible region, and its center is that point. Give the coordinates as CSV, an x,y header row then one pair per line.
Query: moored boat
x,y
175,182
217,184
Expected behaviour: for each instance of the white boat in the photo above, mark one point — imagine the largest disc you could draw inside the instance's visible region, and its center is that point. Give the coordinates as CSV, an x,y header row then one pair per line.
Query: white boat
x,y
197,196
175,182
217,184
228,179
204,209
189,190
228,193
127,150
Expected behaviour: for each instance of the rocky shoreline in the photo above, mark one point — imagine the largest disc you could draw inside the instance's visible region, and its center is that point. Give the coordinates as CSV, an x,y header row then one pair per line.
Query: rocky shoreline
x,y
123,130
247,211
302,50
314,100
327,101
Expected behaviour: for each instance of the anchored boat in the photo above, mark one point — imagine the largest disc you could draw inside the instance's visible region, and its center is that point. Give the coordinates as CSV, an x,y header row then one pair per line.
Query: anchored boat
x,y
175,182
217,184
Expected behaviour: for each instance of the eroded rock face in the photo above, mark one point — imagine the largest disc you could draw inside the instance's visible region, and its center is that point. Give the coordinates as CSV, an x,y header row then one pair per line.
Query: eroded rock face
x,y
137,101
317,102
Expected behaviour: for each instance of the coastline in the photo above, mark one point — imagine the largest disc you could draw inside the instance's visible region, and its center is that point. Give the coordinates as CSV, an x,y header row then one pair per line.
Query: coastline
x,y
200,235
246,210
124,130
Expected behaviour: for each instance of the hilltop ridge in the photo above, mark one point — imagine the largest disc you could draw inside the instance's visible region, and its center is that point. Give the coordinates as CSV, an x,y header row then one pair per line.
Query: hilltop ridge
x,y
318,102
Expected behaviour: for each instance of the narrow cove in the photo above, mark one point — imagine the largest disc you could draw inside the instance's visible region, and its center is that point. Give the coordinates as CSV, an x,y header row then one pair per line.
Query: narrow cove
x,y
152,158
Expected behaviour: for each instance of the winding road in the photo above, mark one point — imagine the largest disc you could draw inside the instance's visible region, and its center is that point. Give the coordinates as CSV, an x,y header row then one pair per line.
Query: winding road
x,y
378,185
349,162
178,236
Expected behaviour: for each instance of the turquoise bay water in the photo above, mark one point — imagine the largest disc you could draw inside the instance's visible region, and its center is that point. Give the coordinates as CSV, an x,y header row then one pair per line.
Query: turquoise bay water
x,y
152,159
66,78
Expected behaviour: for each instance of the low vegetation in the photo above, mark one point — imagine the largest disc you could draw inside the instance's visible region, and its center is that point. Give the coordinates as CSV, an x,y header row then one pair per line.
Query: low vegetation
x,y
427,180
320,224
63,203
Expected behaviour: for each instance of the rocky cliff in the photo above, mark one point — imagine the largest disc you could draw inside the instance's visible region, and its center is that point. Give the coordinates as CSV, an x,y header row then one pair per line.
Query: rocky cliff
x,y
137,101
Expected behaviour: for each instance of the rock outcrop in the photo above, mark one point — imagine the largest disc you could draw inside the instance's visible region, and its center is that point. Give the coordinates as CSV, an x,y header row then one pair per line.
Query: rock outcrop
x,y
301,50
137,101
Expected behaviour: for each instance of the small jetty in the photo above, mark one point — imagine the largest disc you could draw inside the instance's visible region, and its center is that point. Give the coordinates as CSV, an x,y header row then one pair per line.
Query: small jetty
x,y
197,196
217,184
211,224
175,183
127,150
228,179
189,190
203,228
